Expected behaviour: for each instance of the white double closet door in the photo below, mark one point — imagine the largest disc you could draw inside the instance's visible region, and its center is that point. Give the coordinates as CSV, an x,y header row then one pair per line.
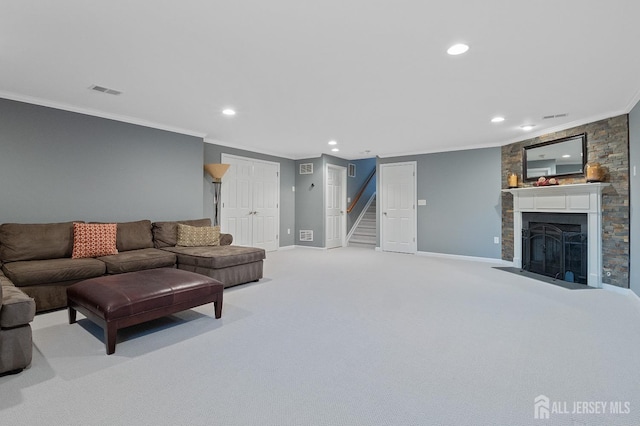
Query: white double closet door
x,y
250,202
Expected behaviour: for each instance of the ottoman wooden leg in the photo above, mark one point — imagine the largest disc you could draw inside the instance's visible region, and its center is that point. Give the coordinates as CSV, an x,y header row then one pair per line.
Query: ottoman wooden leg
x,y
72,315
218,306
110,334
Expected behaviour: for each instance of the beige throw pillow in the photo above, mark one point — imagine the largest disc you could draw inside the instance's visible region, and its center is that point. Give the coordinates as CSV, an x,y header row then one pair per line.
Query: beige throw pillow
x,y
196,236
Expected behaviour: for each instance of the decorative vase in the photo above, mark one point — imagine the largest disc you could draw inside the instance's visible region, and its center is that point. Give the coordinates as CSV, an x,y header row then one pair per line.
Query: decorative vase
x,y
594,172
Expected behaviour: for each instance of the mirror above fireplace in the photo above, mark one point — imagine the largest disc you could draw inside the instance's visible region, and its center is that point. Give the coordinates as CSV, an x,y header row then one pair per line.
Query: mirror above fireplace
x,y
560,157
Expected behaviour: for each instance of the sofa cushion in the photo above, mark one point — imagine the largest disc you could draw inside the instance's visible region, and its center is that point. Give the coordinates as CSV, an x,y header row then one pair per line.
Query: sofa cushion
x,y
217,257
17,308
136,260
20,241
165,234
34,272
195,236
134,235
94,239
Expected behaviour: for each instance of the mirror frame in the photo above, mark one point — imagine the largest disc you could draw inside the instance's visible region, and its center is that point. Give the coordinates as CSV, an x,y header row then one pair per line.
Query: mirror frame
x,y
582,137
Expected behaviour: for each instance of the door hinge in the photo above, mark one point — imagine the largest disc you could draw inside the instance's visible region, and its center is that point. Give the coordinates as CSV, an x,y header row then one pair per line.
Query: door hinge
x,y
414,239
276,236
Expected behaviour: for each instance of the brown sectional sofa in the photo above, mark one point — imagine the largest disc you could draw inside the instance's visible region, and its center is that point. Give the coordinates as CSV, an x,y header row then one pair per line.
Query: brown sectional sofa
x,y
16,312
36,258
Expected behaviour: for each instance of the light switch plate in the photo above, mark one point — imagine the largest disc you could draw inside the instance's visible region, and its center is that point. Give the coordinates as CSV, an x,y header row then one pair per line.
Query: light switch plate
x,y
422,202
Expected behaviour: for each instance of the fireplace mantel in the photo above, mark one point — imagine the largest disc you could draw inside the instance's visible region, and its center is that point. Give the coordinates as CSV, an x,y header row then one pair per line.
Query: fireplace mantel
x,y
578,198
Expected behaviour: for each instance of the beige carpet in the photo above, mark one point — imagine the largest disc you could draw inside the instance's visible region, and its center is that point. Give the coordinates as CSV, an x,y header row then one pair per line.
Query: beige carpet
x,y
348,337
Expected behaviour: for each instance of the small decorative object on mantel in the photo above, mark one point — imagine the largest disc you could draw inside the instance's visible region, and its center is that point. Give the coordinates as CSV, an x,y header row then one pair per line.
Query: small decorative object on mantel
x,y
543,181
513,180
594,172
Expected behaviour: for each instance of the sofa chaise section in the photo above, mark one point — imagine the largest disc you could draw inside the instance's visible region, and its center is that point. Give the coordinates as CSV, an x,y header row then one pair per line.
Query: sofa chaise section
x,y
231,265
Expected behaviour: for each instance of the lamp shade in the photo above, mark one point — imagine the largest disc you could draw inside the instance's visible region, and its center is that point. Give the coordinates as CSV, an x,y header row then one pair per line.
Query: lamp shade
x,y
216,170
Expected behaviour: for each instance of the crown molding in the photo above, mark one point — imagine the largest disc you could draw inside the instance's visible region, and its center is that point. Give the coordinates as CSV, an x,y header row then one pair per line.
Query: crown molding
x,y
97,113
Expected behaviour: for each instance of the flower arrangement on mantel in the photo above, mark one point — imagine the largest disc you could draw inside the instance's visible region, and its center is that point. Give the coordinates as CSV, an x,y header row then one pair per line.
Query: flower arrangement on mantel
x,y
543,181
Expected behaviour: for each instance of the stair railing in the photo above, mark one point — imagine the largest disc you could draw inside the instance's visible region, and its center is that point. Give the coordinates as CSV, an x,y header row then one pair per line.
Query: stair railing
x,y
361,191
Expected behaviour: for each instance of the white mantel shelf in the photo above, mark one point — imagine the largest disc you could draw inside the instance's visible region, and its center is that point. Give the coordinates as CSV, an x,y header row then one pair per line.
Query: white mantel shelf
x,y
578,198
596,187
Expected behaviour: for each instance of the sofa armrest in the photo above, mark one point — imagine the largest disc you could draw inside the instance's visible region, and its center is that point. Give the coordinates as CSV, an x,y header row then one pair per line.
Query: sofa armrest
x,y
17,308
226,239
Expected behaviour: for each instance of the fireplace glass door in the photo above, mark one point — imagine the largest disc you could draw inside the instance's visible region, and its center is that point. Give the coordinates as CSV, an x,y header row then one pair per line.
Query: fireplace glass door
x,y
555,250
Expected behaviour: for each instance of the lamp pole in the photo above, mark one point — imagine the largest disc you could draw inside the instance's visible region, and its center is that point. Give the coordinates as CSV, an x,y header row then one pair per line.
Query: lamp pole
x,y
216,171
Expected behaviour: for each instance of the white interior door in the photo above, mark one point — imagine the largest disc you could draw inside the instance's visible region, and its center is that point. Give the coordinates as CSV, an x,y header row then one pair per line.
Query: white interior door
x,y
250,202
236,213
398,196
265,205
335,206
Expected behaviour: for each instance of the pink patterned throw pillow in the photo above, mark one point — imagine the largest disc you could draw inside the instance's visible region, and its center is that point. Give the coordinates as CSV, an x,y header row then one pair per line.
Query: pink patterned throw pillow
x,y
94,239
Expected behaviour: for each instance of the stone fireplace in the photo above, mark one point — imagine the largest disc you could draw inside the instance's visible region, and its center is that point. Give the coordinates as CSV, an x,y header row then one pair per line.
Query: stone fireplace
x,y
562,231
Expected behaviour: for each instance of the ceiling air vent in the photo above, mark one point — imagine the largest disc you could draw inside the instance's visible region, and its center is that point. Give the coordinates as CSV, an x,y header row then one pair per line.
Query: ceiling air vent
x,y
306,168
105,90
548,117
306,235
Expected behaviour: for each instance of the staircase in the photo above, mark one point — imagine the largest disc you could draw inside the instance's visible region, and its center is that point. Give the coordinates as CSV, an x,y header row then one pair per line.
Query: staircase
x,y
365,233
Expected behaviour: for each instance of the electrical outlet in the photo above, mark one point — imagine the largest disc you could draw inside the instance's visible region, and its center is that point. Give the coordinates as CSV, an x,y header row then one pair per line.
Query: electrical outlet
x,y
496,240
288,230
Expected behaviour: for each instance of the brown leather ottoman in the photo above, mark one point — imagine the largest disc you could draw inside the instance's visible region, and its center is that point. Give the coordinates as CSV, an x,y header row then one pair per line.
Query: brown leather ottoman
x,y
122,300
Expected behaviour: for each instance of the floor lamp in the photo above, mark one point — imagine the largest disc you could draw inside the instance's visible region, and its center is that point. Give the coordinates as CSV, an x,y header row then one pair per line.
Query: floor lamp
x,y
216,171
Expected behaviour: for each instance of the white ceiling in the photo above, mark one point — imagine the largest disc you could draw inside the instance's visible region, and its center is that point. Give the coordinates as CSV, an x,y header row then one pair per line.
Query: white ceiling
x,y
372,74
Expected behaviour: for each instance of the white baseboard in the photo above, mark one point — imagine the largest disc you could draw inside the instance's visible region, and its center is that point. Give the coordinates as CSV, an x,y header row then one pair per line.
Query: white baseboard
x,y
619,290
291,247
310,247
469,258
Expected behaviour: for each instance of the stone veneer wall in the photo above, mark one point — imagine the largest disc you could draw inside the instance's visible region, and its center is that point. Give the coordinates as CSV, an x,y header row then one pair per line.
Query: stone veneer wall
x,y
607,144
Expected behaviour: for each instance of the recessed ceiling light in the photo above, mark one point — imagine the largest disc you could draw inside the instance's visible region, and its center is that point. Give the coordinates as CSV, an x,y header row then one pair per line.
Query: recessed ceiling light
x,y
333,143
229,112
335,149
457,49
527,127
566,156
497,119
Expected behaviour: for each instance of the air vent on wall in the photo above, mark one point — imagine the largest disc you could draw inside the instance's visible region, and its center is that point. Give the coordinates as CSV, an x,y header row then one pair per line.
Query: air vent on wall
x,y
105,90
306,168
548,117
306,235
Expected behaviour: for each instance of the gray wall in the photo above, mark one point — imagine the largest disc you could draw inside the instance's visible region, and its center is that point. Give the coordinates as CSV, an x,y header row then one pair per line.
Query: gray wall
x,y
450,182
309,202
634,199
213,153
57,166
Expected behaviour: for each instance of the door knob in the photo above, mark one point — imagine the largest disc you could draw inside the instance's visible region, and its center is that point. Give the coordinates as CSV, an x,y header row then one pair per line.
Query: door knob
x,y
385,213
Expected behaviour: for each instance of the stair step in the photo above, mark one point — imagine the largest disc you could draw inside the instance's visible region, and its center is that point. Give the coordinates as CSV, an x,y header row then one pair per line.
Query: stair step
x,y
363,238
363,235
362,245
